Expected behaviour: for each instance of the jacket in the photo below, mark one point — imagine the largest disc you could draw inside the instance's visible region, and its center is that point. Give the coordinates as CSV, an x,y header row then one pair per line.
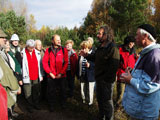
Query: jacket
x,y
56,62
9,82
73,62
127,59
141,97
89,74
106,62
17,53
3,104
25,70
17,65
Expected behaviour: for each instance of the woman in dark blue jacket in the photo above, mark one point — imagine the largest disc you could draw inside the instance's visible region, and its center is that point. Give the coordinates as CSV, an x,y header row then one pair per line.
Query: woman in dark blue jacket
x,y
86,75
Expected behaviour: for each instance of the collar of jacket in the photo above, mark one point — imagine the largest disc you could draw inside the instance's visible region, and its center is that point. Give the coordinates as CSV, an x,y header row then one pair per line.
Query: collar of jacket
x,y
130,50
1,48
148,49
52,46
107,44
72,51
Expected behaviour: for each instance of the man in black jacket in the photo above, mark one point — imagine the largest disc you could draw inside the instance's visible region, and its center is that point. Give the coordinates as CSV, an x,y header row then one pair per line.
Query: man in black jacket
x,y
106,60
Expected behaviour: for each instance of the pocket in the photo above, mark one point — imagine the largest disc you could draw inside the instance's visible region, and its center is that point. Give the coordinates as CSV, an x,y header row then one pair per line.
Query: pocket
x,y
133,103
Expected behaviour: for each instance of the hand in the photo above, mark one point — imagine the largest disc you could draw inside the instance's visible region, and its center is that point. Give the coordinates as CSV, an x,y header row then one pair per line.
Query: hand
x,y
128,69
87,64
126,77
83,53
19,91
59,76
20,82
137,55
52,75
41,79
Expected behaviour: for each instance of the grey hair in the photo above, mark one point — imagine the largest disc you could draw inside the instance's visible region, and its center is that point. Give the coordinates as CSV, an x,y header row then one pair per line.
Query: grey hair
x,y
150,37
30,43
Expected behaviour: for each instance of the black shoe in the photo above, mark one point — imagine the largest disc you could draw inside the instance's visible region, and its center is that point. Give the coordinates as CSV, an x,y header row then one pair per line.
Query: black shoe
x,y
30,110
37,107
51,109
63,106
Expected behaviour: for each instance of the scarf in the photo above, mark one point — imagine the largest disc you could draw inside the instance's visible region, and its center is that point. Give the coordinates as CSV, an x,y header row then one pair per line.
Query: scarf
x,y
32,65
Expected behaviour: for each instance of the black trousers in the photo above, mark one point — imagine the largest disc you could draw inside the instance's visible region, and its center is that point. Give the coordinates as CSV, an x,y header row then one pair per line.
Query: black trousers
x,y
32,92
104,97
52,86
70,83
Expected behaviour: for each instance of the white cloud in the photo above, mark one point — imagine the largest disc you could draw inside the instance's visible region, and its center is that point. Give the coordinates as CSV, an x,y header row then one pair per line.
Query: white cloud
x,y
59,12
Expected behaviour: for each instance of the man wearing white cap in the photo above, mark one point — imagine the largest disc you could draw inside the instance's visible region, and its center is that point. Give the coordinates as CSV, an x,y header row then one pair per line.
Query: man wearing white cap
x,y
15,48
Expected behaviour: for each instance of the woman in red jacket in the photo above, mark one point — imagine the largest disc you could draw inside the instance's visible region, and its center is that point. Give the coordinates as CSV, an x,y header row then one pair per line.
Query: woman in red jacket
x,y
72,65
128,58
3,104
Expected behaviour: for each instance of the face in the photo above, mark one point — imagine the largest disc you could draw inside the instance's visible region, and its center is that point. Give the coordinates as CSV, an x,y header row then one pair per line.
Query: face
x,y
2,41
101,37
15,43
131,44
139,38
7,46
86,50
30,49
69,46
38,46
56,41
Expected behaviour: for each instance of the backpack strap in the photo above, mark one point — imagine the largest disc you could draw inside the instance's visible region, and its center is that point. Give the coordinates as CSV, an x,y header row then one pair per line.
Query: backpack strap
x,y
63,50
50,49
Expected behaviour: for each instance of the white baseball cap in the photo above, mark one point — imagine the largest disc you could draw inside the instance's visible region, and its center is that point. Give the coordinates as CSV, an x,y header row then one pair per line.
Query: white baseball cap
x,y
14,37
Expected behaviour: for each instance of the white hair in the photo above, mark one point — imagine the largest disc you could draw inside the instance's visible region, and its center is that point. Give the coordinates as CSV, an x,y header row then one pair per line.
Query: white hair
x,y
90,39
150,37
36,41
30,43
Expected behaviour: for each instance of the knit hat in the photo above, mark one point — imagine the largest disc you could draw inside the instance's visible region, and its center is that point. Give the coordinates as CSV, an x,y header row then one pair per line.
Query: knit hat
x,y
30,43
2,34
149,28
14,37
129,39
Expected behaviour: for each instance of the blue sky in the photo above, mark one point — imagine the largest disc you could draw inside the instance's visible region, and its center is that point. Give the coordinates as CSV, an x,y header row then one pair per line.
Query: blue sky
x,y
55,13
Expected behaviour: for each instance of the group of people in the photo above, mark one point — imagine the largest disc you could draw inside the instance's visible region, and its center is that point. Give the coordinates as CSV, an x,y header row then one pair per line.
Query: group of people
x,y
136,75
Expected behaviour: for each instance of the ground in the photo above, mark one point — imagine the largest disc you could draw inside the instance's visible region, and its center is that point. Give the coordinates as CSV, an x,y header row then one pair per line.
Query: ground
x,y
71,112
75,110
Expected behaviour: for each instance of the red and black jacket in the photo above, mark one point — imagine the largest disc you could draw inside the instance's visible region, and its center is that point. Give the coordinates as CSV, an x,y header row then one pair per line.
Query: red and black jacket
x,y
127,59
55,61
73,63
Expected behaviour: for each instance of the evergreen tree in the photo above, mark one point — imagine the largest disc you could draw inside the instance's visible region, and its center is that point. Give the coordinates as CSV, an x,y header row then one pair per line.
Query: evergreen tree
x,y
97,16
11,23
156,17
128,14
